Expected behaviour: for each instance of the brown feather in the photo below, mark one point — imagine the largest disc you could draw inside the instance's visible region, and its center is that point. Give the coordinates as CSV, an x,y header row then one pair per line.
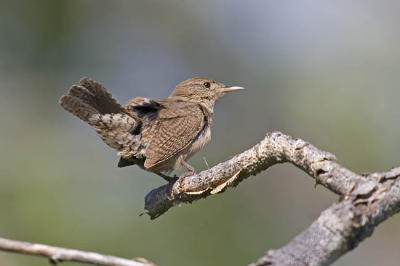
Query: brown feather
x,y
92,103
104,102
77,107
178,125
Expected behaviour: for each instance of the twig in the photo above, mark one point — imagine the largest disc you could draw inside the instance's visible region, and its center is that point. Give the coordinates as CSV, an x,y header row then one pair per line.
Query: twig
x,y
58,254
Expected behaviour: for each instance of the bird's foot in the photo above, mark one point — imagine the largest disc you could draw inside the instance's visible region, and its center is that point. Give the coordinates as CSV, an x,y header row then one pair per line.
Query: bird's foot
x,y
188,173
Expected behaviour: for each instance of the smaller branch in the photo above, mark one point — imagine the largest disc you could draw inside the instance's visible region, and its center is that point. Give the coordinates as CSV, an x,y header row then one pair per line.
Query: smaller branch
x,y
58,254
273,149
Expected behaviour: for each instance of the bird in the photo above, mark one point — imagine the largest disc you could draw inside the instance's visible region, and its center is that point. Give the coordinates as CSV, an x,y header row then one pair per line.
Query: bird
x,y
158,135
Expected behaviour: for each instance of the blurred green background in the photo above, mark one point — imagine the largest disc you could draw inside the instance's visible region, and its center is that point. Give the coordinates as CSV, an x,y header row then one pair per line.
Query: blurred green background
x,y
324,71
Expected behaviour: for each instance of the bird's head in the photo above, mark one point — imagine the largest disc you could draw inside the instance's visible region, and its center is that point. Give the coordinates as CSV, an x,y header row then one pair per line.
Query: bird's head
x,y
202,90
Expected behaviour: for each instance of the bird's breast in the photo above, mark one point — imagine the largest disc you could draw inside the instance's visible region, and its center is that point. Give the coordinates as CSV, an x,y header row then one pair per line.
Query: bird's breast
x,y
202,138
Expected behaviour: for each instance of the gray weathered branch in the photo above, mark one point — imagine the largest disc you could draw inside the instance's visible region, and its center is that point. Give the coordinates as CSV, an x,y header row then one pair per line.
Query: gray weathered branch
x,y
341,227
366,200
57,254
273,149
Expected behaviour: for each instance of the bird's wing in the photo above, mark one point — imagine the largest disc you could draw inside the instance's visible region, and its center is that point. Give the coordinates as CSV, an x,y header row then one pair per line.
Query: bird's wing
x,y
145,108
175,129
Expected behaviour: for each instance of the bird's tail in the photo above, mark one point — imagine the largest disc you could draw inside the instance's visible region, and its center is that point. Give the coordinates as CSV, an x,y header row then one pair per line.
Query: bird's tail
x,y
92,103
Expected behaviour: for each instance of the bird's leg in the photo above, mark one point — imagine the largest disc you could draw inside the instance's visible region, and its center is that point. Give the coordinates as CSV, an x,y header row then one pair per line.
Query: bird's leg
x,y
190,168
169,179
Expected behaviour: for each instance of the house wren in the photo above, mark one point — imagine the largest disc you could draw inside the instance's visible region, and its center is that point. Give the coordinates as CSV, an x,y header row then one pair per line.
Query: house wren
x,y
158,135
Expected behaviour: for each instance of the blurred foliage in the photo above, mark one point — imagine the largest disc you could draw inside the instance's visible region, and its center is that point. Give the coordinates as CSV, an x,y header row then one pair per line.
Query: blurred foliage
x,y
323,71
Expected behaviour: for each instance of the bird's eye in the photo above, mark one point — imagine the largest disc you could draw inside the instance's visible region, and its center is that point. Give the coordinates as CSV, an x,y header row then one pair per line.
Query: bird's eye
x,y
207,84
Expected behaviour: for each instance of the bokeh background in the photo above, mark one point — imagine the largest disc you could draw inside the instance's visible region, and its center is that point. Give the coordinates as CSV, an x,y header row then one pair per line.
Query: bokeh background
x,y
325,71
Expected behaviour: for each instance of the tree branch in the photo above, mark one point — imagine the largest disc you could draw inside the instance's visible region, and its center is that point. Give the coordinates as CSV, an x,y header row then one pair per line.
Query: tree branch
x,y
366,200
341,227
273,149
58,255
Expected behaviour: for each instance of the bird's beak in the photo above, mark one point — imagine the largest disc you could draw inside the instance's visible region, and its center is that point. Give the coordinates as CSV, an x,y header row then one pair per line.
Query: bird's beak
x,y
229,89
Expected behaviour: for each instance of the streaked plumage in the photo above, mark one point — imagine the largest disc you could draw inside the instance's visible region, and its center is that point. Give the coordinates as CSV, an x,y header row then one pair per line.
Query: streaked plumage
x,y
158,135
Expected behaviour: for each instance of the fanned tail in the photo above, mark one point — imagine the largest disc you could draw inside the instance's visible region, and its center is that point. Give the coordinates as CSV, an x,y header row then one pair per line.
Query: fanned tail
x,y
92,103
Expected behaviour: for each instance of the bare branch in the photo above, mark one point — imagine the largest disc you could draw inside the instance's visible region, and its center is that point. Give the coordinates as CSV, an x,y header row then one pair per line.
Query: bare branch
x,y
273,149
341,227
58,255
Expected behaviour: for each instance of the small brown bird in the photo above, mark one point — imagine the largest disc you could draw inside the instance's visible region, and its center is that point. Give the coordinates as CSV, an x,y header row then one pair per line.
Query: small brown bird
x,y
158,135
